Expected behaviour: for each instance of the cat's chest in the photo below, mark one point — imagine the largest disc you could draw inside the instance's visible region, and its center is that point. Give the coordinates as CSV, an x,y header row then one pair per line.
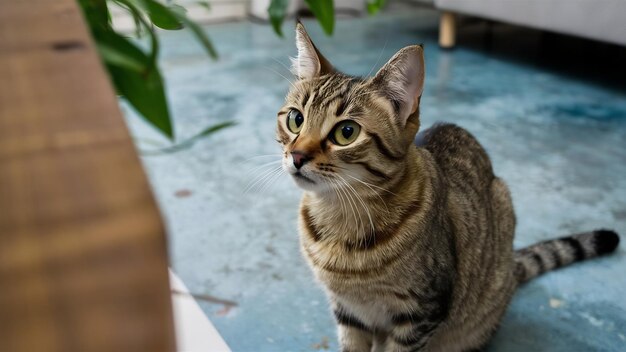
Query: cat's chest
x,y
371,310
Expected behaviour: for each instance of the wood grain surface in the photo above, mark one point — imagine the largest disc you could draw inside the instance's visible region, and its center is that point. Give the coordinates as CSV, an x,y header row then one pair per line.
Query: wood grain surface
x,y
83,259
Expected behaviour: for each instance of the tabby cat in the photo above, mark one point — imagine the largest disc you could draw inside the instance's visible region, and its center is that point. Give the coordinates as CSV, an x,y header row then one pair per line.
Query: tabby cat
x,y
410,236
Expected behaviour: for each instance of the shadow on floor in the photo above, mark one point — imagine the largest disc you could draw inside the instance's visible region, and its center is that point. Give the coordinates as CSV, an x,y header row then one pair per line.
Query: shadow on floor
x,y
593,61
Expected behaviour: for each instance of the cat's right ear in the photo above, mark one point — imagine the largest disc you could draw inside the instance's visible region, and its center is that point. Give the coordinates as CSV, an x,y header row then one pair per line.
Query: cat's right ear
x,y
402,80
309,63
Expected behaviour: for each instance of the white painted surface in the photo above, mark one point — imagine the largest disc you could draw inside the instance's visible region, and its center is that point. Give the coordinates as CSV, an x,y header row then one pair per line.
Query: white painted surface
x,y
258,8
194,331
220,11
229,10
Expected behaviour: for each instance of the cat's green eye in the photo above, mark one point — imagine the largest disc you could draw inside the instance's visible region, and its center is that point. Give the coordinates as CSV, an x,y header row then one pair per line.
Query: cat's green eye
x,y
345,132
295,121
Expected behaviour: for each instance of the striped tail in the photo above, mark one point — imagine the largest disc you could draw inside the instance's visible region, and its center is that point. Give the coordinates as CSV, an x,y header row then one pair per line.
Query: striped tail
x,y
544,256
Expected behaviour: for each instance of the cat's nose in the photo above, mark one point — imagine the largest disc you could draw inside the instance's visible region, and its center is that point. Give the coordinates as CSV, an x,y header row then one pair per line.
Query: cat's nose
x,y
299,158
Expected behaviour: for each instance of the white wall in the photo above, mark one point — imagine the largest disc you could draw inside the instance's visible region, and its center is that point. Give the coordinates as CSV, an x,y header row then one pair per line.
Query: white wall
x,y
221,10
226,10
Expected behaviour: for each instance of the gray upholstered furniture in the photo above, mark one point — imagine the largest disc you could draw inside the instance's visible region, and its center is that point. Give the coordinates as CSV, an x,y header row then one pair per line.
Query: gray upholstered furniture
x,y
603,20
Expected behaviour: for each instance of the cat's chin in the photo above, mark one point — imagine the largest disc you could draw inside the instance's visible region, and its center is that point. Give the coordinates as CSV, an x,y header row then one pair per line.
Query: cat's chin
x,y
304,182
309,184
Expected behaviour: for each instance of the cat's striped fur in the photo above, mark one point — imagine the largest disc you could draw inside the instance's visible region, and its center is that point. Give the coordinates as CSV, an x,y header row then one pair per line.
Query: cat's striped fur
x,y
410,237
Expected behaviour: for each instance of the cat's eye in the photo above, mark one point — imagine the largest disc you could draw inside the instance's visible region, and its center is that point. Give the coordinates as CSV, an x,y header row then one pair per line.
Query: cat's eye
x,y
295,121
345,132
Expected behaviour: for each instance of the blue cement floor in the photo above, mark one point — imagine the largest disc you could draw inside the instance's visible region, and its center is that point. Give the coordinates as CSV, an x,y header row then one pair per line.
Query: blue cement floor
x,y
559,142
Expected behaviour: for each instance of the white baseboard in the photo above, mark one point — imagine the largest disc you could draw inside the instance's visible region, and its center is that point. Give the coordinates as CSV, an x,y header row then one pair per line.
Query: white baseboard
x,y
194,331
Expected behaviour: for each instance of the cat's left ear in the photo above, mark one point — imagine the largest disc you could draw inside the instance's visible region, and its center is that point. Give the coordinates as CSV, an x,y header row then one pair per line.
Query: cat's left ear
x,y
309,63
402,81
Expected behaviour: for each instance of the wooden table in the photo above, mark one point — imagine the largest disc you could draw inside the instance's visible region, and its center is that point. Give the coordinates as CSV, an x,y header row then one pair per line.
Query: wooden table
x,y
83,264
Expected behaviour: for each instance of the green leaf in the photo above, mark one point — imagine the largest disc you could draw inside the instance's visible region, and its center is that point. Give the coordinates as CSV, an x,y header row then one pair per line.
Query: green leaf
x,y
96,13
173,13
210,130
145,92
373,6
134,7
160,15
188,143
118,51
277,11
204,4
178,10
324,10
113,56
135,73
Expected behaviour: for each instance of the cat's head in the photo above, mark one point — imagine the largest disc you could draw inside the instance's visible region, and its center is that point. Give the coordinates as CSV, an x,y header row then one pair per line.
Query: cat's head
x,y
340,131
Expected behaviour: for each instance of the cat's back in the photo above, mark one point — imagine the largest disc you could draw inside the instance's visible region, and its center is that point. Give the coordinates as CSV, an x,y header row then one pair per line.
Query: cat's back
x,y
480,208
459,155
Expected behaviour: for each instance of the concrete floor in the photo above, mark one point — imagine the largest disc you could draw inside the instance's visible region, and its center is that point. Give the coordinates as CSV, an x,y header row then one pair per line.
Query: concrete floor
x,y
558,140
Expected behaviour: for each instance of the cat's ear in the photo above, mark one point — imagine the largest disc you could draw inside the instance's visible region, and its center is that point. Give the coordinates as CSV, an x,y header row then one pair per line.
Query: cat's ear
x,y
309,63
402,80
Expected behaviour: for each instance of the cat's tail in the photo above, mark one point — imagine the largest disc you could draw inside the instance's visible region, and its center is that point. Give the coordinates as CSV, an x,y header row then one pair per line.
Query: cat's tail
x,y
544,256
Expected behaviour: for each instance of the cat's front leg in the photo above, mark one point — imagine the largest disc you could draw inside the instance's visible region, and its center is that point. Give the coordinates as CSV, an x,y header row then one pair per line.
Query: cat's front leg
x,y
353,339
354,336
410,335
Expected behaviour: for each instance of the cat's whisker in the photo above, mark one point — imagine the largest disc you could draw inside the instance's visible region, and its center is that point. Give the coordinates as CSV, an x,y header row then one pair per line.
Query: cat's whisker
x,y
379,56
361,181
282,64
264,156
367,211
260,178
268,163
371,185
353,97
262,166
329,181
362,203
368,185
344,209
280,74
365,208
270,181
361,225
352,203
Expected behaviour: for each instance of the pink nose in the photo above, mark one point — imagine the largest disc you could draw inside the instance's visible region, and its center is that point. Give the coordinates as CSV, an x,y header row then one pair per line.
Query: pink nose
x,y
299,158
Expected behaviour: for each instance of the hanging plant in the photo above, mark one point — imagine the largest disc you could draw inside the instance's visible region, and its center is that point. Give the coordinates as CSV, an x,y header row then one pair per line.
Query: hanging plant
x,y
135,72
